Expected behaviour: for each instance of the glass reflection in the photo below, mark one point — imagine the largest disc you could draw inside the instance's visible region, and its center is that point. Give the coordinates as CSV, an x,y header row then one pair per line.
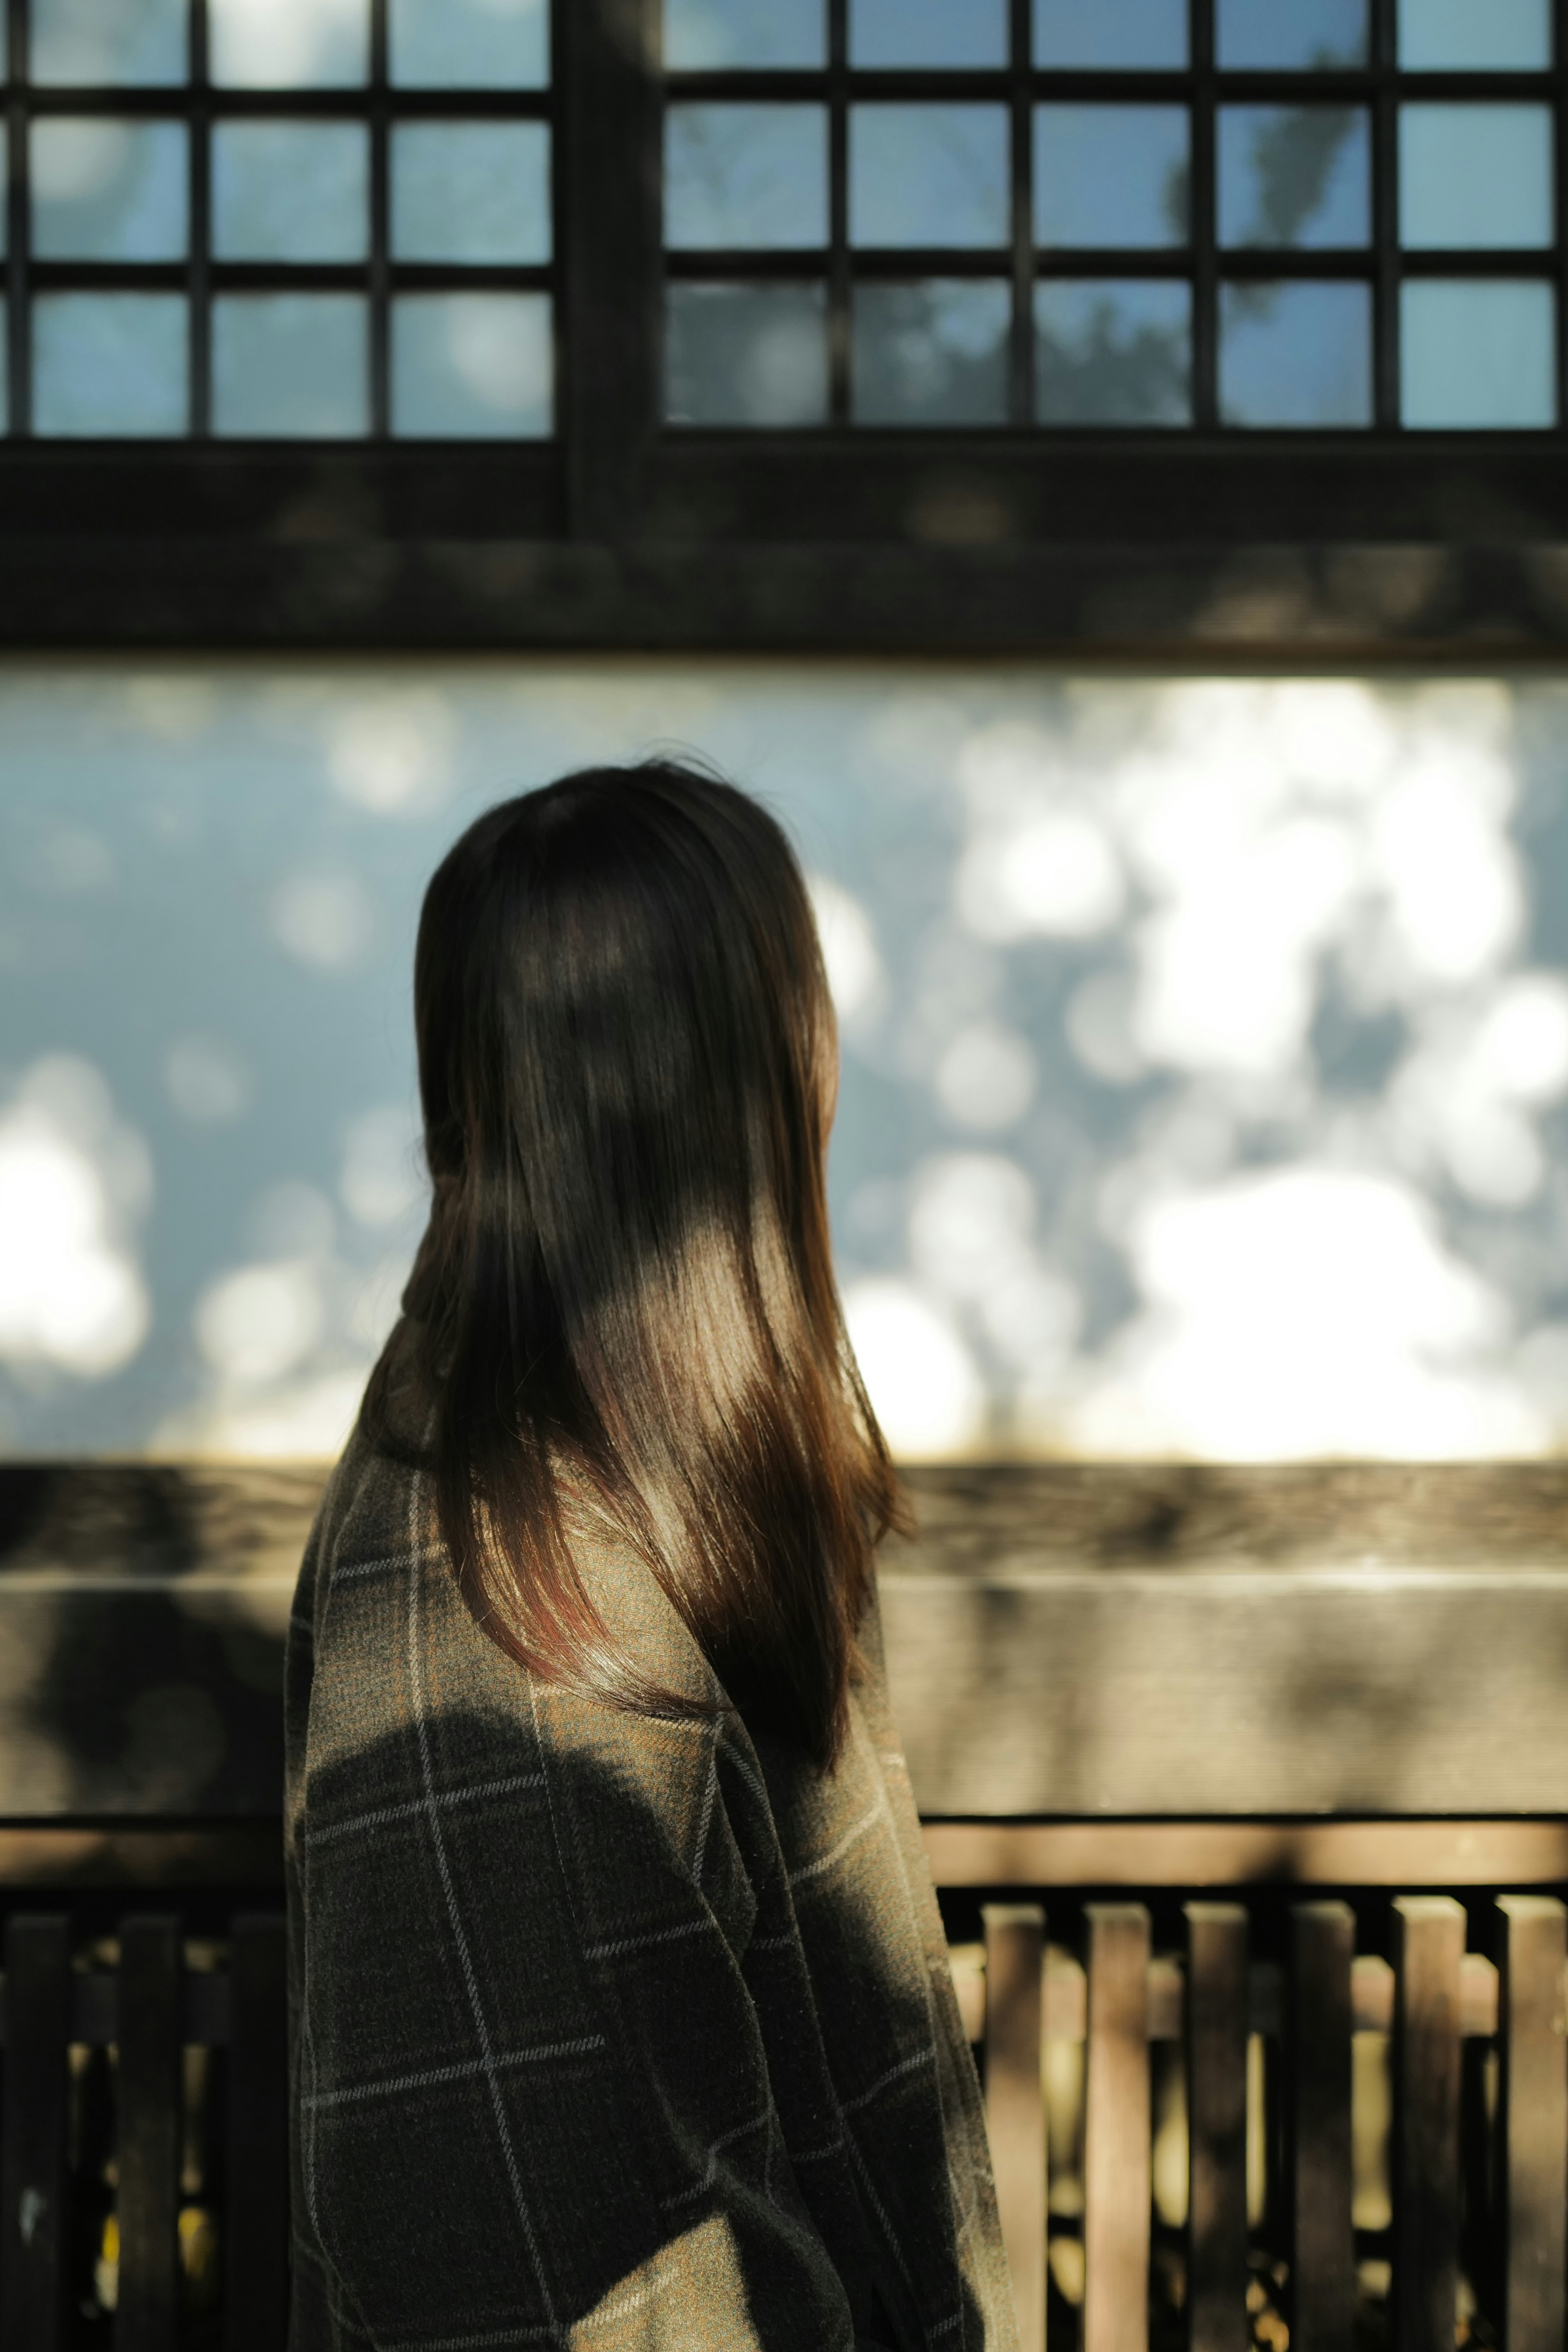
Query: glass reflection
x,y
1132,33
471,191
928,32
1294,175
1477,353
290,191
932,352
1111,176
472,366
105,191
110,363
108,42
746,175
931,176
1478,36
705,33
1112,351
468,44
289,44
290,366
1261,34
746,355
1295,355
1477,176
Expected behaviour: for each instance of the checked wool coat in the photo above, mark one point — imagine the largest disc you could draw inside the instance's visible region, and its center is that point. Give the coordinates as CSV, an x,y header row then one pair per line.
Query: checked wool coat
x,y
607,2033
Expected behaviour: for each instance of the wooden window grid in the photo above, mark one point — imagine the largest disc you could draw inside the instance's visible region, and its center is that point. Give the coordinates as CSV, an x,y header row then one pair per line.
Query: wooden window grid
x,y
1204,545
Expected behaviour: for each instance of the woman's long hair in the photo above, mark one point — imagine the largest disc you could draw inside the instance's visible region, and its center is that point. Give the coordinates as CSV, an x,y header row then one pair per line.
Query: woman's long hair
x,y
628,1065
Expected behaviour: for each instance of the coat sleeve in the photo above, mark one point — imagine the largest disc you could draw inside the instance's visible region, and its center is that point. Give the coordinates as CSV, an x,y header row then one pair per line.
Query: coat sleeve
x,y
532,2100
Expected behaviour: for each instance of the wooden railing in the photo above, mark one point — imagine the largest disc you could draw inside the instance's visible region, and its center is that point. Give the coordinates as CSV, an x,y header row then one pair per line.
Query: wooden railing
x,y
1245,1793
142,2128
137,2179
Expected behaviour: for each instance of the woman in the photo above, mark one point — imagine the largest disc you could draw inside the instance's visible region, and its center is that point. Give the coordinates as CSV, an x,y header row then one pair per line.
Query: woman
x,y
620,2006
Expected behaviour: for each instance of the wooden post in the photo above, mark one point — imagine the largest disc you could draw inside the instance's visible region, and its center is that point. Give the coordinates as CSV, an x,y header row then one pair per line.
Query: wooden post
x,y
1116,2158
1318,2063
33,2181
256,2201
1429,1944
1015,2103
149,2094
1216,2127
1533,2120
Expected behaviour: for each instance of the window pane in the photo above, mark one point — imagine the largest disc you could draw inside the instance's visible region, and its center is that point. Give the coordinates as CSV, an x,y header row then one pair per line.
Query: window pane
x,y
1477,353
110,363
104,41
1475,175
108,191
1150,34
928,32
746,175
471,191
1498,35
1295,355
708,33
290,191
472,366
746,355
1113,350
290,366
468,44
1110,174
289,44
935,352
1294,175
928,176
1262,34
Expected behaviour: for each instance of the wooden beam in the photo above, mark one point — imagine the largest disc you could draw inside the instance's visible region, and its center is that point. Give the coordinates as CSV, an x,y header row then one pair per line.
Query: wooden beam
x,y
1065,1642
1235,1853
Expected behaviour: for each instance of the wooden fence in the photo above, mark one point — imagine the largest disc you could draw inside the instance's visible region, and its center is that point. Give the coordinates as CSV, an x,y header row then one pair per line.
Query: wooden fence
x,y
143,2173
1245,1792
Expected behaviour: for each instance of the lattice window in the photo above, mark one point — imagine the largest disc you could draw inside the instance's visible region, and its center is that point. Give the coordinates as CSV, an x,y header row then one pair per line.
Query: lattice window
x,y
324,219
1340,214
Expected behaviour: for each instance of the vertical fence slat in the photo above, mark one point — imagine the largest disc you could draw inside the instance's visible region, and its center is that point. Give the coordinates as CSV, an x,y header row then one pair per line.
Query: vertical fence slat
x,y
32,2184
1116,2131
1323,2262
1216,2127
149,2101
1015,2104
1429,1944
255,2208
1534,2118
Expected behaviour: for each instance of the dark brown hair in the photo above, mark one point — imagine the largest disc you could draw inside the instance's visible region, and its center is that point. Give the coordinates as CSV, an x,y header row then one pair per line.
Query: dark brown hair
x,y
628,1063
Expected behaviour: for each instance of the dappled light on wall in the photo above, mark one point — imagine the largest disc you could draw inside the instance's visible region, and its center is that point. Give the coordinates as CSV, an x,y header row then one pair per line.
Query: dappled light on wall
x,y
1204,1042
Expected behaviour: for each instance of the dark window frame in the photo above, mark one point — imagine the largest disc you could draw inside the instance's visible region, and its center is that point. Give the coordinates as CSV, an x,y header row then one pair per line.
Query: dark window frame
x,y
1198,547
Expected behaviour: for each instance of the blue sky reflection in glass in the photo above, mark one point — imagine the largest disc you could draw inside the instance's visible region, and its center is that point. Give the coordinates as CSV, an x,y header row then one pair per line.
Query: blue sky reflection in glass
x,y
928,176
746,175
107,43
468,44
104,190
1296,354
1294,176
1263,36
705,36
1150,35
928,33
1475,35
1111,176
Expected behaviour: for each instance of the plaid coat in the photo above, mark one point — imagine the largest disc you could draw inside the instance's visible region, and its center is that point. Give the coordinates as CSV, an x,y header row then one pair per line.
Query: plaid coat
x,y
611,2033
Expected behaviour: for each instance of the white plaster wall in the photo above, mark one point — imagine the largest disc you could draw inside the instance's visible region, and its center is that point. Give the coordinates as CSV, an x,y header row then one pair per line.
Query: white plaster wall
x,y
1206,1042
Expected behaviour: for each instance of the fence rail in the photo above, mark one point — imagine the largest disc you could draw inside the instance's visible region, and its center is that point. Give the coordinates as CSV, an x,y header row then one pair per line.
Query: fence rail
x,y
143,2126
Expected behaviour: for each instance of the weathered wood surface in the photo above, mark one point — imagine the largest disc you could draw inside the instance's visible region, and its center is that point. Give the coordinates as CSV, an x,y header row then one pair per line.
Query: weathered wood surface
x,y
1064,1639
